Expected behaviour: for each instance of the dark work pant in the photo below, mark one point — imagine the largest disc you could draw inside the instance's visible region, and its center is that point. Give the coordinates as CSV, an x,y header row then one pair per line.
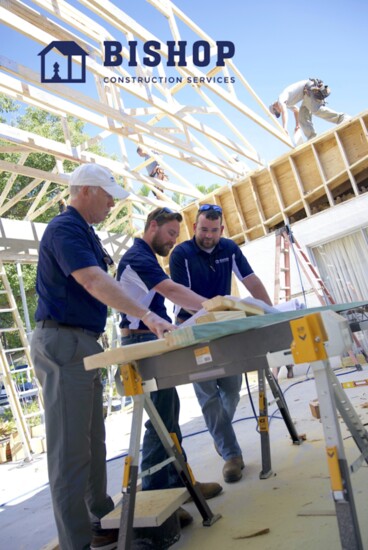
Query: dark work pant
x,y
168,407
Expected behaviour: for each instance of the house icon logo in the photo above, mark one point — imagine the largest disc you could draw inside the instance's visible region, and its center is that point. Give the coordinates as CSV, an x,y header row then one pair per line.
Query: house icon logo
x,y
55,69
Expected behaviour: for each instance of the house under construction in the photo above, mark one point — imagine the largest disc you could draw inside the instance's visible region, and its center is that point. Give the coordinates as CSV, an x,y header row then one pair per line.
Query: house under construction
x,y
317,191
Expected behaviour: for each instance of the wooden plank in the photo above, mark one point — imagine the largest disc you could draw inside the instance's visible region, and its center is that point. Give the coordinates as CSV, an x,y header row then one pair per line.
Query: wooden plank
x,y
299,185
125,354
266,194
213,316
346,163
329,156
221,303
152,508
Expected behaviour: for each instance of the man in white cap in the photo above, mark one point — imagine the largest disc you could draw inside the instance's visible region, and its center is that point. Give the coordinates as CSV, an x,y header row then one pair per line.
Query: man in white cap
x,y
74,290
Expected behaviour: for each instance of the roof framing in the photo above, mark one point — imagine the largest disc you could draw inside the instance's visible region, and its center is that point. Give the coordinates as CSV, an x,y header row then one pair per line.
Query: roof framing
x,y
150,115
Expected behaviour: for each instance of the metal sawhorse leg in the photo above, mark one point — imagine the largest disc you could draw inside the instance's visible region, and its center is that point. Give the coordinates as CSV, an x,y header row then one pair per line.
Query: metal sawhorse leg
x,y
314,335
142,401
329,402
263,424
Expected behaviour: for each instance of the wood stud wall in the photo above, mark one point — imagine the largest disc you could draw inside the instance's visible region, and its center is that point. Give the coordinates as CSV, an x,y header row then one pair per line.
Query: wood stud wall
x,y
317,175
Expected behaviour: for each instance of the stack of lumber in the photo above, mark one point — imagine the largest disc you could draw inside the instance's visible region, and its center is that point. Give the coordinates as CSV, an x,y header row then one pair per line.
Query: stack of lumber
x,y
213,316
222,308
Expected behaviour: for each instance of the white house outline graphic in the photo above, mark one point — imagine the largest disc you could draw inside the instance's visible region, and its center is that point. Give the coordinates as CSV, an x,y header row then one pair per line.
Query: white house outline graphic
x,y
68,49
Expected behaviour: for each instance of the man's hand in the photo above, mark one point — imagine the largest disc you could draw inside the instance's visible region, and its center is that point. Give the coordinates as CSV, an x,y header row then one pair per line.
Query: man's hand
x,y
158,325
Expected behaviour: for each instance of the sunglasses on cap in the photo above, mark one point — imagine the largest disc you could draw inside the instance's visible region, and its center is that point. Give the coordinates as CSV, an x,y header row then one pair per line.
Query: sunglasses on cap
x,y
165,213
205,207
164,210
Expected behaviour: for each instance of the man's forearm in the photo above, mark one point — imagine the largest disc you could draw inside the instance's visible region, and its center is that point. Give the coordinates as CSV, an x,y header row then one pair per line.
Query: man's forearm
x,y
257,289
108,291
180,295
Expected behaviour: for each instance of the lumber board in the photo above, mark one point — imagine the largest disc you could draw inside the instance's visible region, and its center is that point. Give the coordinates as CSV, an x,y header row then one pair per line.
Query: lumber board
x,y
222,303
213,316
152,508
125,354
197,334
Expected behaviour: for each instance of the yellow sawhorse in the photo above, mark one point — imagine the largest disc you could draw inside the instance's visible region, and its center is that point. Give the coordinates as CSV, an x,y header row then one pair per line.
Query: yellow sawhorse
x,y
137,512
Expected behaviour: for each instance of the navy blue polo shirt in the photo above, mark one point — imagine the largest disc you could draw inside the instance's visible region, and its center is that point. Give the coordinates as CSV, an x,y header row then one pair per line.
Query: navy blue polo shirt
x,y
139,272
208,273
68,243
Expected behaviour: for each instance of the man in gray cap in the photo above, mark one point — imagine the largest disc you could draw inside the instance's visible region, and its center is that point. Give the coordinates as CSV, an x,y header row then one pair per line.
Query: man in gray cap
x,y
74,290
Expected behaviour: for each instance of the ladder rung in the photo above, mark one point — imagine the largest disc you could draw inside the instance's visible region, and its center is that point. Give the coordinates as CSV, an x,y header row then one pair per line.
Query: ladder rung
x,y
13,350
3,292
26,393
8,310
19,371
9,329
30,415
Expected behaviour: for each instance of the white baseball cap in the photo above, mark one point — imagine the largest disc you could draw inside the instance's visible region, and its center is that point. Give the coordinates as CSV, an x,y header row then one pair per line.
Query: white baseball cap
x,y
95,175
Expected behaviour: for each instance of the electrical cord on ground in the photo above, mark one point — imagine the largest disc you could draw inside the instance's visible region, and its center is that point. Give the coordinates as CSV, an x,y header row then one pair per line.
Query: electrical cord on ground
x,y
199,432
251,400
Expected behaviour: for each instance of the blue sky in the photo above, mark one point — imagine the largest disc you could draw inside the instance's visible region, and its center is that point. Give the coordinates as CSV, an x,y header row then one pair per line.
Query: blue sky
x,y
277,43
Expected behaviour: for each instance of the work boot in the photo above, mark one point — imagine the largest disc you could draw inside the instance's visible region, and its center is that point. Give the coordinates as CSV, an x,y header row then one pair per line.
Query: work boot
x,y
104,539
185,518
208,490
142,544
232,470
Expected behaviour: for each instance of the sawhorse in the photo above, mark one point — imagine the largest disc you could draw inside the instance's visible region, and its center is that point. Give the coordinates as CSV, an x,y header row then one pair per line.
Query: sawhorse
x,y
263,423
312,339
142,402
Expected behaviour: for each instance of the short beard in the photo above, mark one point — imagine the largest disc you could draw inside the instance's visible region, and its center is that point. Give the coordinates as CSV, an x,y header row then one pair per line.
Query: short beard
x,y
200,243
160,248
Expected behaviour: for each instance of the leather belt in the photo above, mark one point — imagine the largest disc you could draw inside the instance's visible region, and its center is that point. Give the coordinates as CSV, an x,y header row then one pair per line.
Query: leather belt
x,y
130,331
50,323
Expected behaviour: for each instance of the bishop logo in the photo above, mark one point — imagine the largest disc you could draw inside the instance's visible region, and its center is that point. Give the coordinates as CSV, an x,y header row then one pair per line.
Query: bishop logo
x,y
56,68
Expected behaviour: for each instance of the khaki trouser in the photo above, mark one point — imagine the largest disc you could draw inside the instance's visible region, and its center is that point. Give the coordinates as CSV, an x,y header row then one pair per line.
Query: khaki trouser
x,y
316,107
75,432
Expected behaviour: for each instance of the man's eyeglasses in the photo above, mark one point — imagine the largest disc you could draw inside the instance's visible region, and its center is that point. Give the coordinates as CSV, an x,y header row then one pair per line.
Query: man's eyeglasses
x,y
205,207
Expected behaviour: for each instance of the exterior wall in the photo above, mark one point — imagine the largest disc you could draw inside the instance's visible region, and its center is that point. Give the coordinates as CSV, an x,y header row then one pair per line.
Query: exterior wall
x,y
323,227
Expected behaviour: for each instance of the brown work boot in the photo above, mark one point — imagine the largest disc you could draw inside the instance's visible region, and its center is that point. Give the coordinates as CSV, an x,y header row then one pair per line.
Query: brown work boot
x,y
185,518
208,490
232,470
104,539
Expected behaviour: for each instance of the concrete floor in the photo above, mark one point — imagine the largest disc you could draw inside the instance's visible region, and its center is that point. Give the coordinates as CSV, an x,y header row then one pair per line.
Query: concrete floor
x,y
293,509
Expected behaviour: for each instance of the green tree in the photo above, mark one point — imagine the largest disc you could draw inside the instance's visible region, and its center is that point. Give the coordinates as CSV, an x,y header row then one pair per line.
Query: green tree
x,y
47,125
7,105
50,126
207,190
